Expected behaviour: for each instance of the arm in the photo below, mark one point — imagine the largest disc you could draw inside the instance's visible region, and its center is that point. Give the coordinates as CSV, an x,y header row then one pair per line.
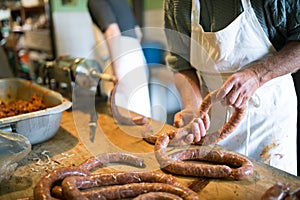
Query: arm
x,y
177,20
188,86
284,31
287,60
242,85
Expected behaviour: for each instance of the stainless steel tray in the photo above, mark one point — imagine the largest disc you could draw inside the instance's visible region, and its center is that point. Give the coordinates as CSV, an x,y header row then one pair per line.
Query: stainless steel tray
x,y
37,126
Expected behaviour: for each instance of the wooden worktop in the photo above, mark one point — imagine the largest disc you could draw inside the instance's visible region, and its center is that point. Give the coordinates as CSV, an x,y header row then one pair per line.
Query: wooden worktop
x,y
71,146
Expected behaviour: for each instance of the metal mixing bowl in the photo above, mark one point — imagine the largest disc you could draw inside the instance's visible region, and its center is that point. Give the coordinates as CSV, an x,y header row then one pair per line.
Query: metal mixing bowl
x,y
37,126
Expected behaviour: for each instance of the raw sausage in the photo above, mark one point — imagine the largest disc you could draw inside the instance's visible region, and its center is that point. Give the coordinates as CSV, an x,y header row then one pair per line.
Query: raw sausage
x,y
136,120
281,191
148,133
114,178
46,185
242,167
220,134
183,134
42,190
105,158
71,185
157,195
121,191
277,192
228,128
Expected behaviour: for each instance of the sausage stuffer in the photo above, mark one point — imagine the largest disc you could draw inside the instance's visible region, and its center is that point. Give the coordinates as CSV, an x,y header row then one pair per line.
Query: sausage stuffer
x,y
78,80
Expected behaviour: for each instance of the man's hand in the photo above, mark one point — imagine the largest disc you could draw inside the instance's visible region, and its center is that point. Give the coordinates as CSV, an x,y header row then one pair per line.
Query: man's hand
x,y
183,117
238,88
197,126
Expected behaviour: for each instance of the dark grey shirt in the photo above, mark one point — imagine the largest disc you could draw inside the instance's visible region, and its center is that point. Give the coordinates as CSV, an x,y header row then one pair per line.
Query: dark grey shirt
x,y
280,20
106,12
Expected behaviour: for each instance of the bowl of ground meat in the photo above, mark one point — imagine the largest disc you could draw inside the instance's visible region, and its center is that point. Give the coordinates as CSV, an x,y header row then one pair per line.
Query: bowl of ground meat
x,y
30,109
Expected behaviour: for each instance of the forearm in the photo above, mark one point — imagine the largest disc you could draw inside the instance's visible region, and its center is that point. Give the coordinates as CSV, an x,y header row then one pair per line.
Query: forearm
x,y
188,86
287,60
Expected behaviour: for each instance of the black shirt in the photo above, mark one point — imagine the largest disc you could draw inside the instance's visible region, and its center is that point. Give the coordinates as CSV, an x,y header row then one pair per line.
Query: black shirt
x,y
106,12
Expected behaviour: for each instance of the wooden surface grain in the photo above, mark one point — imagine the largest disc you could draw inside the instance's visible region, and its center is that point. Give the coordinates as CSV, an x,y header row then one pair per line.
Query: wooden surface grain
x,y
71,146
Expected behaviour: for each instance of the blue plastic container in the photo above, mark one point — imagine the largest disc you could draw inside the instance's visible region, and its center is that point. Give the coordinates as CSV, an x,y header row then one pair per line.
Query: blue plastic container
x,y
154,52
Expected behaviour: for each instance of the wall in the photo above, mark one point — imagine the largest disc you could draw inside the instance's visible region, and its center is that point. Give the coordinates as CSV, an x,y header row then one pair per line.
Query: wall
x,y
73,28
153,17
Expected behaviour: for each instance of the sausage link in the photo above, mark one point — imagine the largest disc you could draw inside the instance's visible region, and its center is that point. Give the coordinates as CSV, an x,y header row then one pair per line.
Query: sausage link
x,y
136,120
105,158
134,189
71,185
148,133
45,186
228,128
42,190
281,191
294,194
157,195
181,134
56,192
113,178
277,192
243,168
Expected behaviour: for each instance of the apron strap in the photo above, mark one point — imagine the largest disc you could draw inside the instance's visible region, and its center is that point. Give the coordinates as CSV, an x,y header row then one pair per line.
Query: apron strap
x,y
195,17
246,4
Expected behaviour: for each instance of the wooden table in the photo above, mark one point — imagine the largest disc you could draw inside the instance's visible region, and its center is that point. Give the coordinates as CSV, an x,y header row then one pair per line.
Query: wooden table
x,y
71,146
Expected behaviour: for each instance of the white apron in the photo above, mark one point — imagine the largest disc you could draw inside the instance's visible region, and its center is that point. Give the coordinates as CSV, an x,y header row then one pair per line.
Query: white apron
x,y
132,91
265,133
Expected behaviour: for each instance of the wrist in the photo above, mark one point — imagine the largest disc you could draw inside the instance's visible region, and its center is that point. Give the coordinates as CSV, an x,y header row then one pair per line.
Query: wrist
x,y
255,75
193,108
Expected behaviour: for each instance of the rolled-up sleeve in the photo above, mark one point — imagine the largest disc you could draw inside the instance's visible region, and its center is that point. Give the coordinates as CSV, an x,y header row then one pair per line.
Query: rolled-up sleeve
x,y
177,23
283,21
293,19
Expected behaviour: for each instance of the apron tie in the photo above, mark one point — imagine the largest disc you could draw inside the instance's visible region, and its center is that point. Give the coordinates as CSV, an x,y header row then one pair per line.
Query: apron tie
x,y
254,101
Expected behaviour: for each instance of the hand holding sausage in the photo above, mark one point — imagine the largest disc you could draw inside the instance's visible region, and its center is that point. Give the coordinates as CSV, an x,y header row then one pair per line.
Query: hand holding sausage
x,y
196,127
238,88
184,117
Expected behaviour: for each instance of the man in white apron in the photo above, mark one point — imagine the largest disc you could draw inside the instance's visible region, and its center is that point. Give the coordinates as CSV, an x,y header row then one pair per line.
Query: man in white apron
x,y
239,60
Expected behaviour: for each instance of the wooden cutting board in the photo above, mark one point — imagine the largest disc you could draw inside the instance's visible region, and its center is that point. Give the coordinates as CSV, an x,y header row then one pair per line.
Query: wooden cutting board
x,y
71,146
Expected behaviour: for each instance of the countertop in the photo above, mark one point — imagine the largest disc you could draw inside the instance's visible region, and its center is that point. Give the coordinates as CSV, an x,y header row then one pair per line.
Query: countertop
x,y
72,145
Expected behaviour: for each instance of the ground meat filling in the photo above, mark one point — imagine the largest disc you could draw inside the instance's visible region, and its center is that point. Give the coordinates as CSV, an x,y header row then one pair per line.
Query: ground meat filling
x,y
17,107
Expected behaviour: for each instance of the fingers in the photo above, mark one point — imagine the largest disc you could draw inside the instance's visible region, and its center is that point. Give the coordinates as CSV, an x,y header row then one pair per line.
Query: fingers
x,y
178,120
225,89
198,130
238,88
194,130
236,98
189,139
